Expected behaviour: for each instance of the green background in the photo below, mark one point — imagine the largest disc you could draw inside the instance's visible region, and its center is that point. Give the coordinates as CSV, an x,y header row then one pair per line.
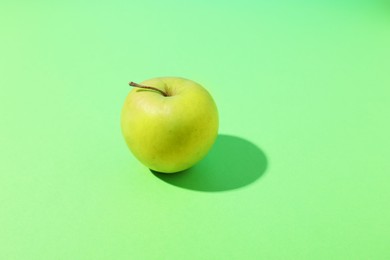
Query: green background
x,y
301,169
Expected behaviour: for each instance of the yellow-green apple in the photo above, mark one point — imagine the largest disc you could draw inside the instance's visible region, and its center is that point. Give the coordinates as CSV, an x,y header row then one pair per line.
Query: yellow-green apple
x,y
169,123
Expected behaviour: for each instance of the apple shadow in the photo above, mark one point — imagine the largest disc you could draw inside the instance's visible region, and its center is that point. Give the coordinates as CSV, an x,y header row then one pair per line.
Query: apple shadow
x,y
232,163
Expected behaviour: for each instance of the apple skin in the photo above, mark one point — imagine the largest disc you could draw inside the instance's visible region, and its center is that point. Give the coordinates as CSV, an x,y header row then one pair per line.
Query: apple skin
x,y
169,133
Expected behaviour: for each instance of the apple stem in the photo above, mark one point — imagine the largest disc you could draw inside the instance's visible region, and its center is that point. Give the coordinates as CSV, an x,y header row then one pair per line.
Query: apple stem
x,y
133,84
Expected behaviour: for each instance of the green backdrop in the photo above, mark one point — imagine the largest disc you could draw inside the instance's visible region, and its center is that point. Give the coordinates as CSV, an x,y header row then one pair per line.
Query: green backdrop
x,y
300,169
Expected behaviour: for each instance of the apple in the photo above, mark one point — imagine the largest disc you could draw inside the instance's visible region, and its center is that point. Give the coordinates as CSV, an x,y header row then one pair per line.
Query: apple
x,y
169,123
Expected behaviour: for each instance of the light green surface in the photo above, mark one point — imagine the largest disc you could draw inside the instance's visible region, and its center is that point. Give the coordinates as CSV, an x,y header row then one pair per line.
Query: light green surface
x,y
303,94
